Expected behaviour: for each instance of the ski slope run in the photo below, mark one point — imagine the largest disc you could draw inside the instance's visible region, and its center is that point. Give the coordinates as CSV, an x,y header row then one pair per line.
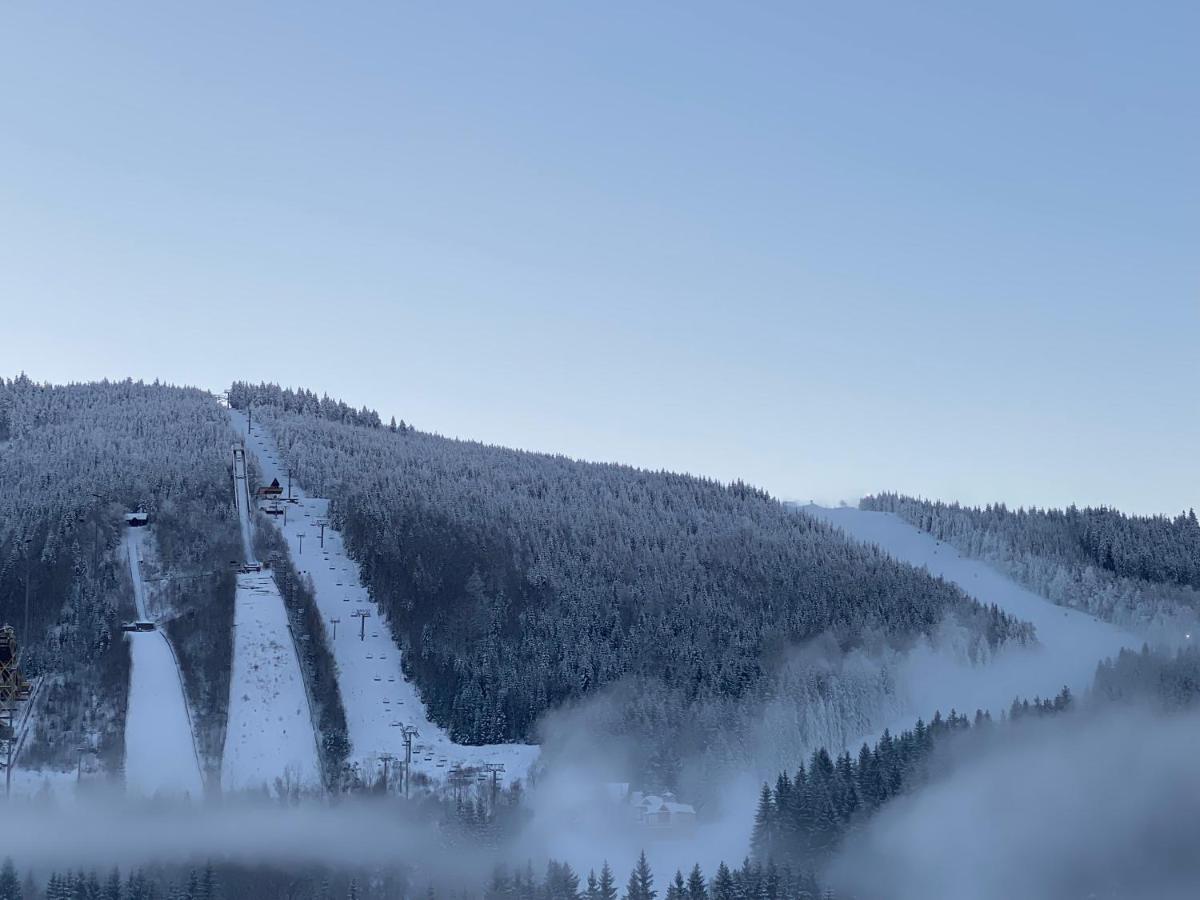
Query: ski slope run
x,y
160,752
1069,645
377,697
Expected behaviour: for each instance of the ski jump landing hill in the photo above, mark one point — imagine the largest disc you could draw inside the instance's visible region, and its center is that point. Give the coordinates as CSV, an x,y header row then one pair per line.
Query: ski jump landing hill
x,y
160,749
270,732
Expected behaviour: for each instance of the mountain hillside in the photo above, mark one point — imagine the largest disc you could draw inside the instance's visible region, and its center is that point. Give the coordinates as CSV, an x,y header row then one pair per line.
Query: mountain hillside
x,y
517,581
73,459
1134,570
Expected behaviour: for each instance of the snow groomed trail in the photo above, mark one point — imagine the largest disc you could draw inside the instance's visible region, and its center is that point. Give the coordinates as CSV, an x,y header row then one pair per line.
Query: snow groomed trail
x,y
160,752
1070,643
270,733
378,699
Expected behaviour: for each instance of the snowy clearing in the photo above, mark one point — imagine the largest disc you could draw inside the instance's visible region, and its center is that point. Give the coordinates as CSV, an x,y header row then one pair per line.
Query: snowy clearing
x,y
377,697
160,753
1070,643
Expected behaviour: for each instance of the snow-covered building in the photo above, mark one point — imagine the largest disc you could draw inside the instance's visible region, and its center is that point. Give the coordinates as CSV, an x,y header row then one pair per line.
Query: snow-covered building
x,y
274,489
660,812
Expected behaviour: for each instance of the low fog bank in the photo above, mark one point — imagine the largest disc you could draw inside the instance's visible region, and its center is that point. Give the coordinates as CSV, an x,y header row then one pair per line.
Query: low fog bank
x,y
934,676
99,830
1071,807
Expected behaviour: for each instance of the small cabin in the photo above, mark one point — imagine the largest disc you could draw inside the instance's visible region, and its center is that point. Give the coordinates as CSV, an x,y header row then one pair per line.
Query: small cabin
x,y
137,519
663,811
271,490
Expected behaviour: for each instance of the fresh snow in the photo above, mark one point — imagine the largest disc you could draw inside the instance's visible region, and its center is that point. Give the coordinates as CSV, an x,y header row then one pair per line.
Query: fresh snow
x,y
377,697
1070,642
160,754
270,733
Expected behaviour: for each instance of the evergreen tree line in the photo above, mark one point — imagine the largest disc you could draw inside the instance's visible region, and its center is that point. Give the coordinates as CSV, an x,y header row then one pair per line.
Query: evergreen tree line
x,y
805,816
751,880
73,459
243,395
517,581
1130,569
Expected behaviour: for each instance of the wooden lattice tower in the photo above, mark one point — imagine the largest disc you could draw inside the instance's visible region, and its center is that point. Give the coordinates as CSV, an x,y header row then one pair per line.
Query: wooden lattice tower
x,y
14,690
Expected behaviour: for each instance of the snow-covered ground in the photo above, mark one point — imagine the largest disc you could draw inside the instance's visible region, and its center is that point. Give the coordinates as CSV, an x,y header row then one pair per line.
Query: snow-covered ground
x,y
377,697
1070,643
160,754
270,733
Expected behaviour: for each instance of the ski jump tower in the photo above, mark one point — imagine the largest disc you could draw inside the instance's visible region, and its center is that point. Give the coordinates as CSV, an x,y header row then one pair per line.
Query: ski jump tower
x,y
241,498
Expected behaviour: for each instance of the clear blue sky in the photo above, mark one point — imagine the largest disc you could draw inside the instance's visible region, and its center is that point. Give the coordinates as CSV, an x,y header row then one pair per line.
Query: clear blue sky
x,y
949,249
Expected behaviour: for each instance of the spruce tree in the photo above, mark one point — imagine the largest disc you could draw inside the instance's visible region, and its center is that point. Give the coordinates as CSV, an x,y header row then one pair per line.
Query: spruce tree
x,y
10,885
608,887
722,884
112,887
696,888
762,838
641,881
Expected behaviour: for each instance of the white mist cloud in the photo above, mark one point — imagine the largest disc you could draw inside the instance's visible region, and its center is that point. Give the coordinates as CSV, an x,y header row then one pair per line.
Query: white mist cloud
x,y
1069,807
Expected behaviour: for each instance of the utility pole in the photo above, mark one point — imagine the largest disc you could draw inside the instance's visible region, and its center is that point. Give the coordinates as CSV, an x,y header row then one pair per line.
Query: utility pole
x,y
300,536
289,484
322,525
363,615
334,623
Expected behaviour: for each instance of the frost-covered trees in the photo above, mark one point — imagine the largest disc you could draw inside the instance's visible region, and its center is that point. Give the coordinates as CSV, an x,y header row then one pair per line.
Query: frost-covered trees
x,y
1134,570
517,581
72,460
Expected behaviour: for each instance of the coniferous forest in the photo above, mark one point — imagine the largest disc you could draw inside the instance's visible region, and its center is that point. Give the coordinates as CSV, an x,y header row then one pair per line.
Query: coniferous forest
x,y
73,460
518,581
1128,569
557,881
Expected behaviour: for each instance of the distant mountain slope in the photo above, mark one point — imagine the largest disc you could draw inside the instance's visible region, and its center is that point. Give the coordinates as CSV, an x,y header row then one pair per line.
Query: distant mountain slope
x,y
1134,570
518,581
1070,642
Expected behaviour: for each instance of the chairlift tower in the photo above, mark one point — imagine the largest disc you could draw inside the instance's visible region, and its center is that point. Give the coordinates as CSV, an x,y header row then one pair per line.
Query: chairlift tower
x,y
458,778
363,615
409,732
387,759
494,770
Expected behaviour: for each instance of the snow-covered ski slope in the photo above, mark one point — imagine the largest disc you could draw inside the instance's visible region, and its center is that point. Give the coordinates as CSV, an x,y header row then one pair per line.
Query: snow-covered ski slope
x,y
160,753
1070,643
377,697
270,733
